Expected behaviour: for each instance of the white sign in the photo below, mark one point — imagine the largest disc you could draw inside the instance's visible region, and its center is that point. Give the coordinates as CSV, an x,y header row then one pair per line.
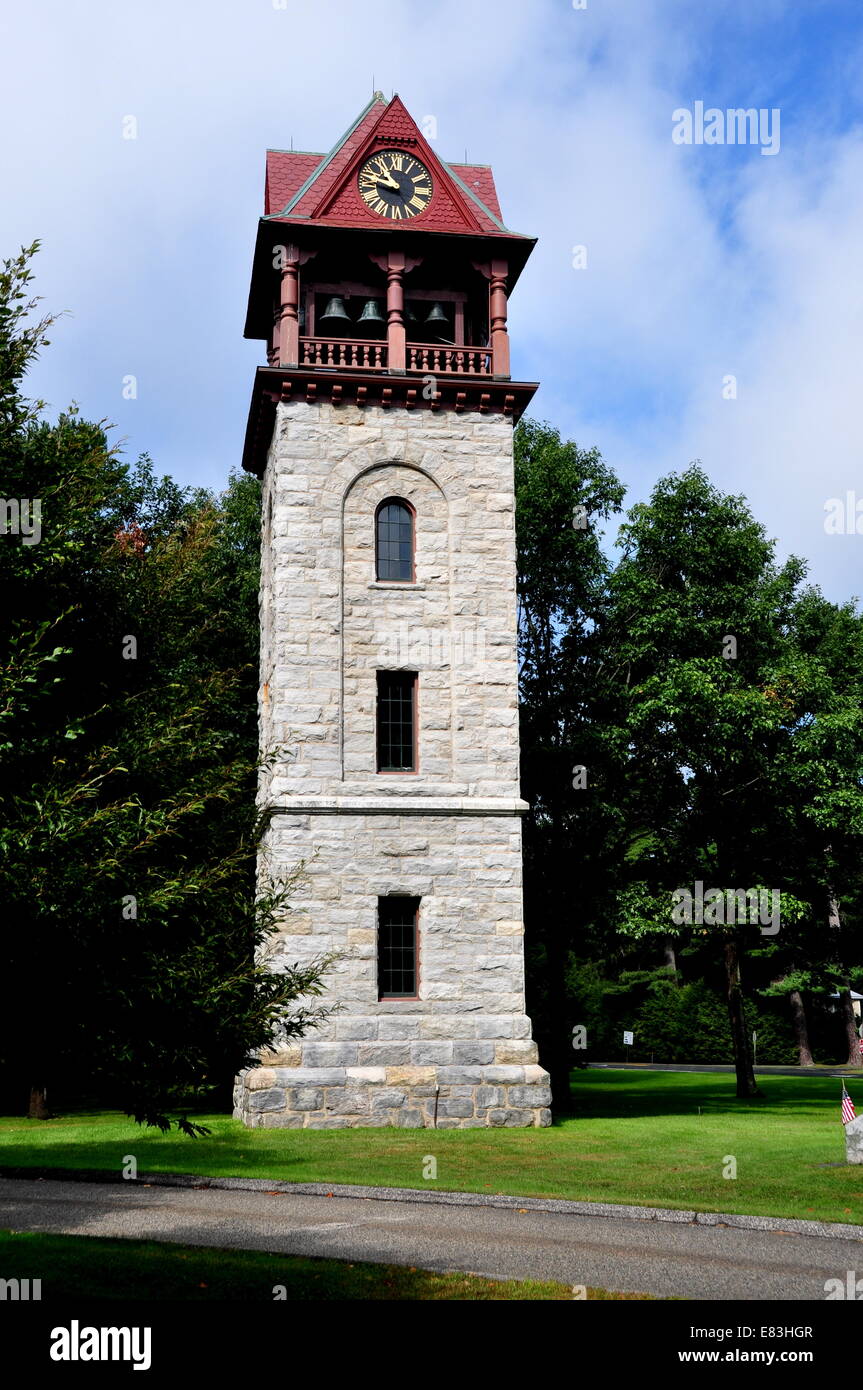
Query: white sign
x,y
627,1039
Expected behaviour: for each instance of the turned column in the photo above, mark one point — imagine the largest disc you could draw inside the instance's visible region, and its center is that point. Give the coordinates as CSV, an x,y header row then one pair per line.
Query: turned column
x,y
497,306
395,311
396,266
289,323
288,337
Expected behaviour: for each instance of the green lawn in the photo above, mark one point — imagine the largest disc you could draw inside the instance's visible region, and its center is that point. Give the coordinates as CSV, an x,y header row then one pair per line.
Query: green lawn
x,y
85,1267
635,1138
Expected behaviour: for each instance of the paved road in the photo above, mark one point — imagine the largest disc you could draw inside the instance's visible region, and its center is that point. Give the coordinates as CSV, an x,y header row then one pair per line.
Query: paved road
x,y
662,1258
851,1073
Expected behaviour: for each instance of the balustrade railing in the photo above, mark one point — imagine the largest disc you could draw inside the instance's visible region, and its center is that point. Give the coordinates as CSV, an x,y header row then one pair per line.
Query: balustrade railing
x,y
343,352
428,358
437,360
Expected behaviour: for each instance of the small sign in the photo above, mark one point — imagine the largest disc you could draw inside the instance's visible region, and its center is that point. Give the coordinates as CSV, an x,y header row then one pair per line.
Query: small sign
x,y
627,1039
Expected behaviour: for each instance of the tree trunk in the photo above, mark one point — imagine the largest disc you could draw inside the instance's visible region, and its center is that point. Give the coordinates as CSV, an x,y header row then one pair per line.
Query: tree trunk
x,y
670,957
746,1083
849,1024
38,1109
801,1031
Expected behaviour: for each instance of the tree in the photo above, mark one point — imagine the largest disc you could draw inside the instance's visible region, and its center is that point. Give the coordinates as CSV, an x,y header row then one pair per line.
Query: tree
x,y
699,658
816,792
134,939
563,494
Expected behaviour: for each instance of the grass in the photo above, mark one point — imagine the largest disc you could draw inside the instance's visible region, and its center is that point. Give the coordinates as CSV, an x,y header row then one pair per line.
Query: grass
x,y
86,1267
652,1138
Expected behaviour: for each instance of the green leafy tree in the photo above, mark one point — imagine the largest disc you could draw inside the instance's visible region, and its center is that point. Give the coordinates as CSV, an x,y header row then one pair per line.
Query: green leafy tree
x,y
134,946
707,679
563,496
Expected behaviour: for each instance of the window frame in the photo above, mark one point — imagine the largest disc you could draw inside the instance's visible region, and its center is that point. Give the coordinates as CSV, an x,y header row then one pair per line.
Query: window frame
x,y
400,898
411,510
415,746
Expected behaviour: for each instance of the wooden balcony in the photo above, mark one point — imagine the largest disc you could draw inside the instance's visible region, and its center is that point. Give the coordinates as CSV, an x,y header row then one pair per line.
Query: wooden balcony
x,y
424,359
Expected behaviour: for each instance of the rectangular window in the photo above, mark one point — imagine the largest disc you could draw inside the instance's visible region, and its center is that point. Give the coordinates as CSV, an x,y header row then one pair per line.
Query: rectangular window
x,y
397,948
396,721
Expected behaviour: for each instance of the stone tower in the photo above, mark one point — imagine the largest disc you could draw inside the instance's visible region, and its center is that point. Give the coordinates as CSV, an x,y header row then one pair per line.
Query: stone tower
x,y
382,431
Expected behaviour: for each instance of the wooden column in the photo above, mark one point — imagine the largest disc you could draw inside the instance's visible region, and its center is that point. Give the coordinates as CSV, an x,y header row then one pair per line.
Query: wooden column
x,y
496,273
396,265
289,323
395,311
497,309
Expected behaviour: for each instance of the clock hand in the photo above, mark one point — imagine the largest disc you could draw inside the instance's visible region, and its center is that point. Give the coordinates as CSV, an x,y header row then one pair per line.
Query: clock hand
x,y
388,181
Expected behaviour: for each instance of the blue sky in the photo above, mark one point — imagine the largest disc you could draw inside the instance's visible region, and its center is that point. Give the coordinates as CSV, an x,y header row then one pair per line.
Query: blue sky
x,y
703,262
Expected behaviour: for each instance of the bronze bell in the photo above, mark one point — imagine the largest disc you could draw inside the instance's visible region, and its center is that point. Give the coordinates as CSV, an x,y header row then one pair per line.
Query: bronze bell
x,y
436,319
336,311
371,312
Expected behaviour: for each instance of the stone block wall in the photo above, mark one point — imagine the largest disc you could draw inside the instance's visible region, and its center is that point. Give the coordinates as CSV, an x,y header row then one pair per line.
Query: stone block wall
x,y
449,834
409,1097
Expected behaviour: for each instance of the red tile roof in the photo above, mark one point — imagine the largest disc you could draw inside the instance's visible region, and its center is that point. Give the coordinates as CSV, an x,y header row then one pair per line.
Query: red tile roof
x,y
480,180
287,171
322,188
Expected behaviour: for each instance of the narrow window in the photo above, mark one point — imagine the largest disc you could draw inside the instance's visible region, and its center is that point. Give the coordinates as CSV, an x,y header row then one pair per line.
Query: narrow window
x,y
396,722
397,947
394,541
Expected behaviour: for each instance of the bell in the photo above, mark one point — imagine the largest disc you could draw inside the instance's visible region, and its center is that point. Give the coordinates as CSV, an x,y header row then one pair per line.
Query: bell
x,y
335,311
438,325
371,312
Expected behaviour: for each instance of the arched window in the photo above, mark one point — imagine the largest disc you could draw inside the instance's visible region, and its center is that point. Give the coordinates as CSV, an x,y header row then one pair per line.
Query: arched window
x,y
394,540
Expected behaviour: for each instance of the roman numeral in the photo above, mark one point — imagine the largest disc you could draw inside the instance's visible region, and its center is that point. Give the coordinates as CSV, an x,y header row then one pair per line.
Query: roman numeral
x,y
397,161
396,211
417,203
380,205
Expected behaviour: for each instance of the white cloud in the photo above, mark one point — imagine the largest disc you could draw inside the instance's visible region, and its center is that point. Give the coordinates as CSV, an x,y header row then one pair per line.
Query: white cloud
x,y
701,261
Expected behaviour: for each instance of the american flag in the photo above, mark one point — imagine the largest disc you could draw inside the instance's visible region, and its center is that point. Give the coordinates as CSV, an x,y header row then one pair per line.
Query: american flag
x,y
848,1111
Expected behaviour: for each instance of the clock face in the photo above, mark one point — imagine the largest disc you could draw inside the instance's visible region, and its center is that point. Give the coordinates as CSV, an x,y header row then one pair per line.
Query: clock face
x,y
395,185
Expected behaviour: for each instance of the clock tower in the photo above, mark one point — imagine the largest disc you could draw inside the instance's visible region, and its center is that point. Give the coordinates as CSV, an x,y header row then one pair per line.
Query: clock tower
x,y
381,428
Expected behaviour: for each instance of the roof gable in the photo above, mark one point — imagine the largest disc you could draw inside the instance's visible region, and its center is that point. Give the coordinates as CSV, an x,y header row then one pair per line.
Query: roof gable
x,y
329,191
330,166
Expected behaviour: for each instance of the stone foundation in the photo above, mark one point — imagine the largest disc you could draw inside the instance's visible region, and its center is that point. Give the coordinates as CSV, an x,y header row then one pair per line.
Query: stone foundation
x,y
474,1085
